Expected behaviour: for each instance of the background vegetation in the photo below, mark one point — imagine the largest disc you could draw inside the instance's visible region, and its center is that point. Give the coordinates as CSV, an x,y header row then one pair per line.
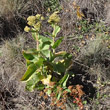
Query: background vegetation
x,y
87,39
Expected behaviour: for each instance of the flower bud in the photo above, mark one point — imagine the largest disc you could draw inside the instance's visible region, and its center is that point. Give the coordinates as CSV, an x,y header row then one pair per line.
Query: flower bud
x,y
42,18
38,16
26,29
54,18
31,23
37,26
31,18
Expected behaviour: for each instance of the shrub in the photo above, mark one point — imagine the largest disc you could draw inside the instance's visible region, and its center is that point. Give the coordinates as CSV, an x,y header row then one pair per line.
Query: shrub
x,y
46,69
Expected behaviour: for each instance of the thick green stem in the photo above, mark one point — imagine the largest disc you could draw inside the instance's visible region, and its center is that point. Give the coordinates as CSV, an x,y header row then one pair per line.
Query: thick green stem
x,y
53,37
37,42
53,44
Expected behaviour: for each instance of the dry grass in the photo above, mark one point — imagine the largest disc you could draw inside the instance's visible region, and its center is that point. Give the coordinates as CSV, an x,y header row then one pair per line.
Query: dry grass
x,y
93,10
20,7
13,14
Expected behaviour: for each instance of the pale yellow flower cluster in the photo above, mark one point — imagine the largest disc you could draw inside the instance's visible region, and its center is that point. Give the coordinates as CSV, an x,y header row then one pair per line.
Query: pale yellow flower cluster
x,y
34,21
31,20
54,18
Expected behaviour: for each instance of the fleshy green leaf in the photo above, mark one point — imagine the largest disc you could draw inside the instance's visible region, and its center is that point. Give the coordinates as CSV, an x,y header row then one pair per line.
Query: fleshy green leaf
x,y
49,92
40,87
55,55
57,43
68,90
32,82
67,61
47,33
48,64
59,67
44,39
30,71
39,62
45,45
56,30
28,62
46,53
58,96
28,56
64,80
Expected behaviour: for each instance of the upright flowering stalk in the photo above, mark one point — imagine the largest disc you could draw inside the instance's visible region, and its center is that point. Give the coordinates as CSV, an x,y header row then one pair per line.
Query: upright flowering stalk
x,y
34,23
44,71
54,19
